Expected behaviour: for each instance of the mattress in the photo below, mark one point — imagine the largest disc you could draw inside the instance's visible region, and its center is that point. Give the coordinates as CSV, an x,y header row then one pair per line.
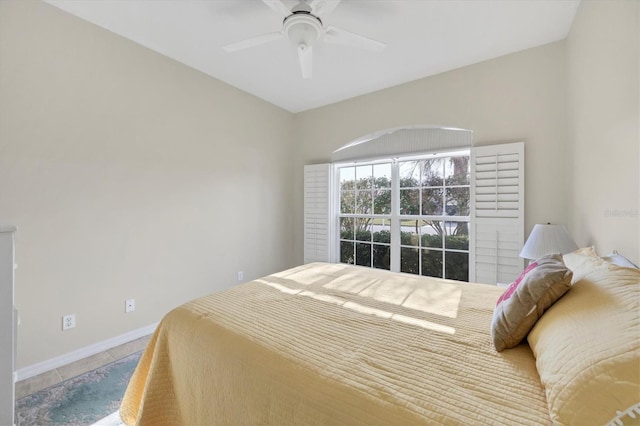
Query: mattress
x,y
335,344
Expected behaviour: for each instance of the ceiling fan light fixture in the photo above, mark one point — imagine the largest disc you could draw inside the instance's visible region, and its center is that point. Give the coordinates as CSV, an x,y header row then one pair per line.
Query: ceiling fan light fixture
x,y
302,25
303,29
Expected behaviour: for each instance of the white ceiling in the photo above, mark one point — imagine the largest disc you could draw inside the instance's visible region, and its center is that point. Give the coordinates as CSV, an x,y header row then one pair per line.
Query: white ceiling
x,y
424,37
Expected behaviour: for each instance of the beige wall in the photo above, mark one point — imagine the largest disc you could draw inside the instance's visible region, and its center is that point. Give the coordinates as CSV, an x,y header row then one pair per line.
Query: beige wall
x,y
128,175
603,78
519,97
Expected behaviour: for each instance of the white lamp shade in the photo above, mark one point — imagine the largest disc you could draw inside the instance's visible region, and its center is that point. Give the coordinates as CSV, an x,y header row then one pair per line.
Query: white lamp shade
x,y
547,239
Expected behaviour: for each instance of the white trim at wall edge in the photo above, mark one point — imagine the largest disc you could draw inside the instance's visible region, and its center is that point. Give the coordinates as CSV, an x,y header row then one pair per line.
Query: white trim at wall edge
x,y
59,361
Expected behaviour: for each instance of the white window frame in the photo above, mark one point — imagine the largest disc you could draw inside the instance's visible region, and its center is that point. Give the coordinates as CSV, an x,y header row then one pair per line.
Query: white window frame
x,y
336,215
395,217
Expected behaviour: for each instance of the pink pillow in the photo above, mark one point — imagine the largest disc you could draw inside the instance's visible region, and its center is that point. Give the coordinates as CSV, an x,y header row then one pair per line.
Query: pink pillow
x,y
523,302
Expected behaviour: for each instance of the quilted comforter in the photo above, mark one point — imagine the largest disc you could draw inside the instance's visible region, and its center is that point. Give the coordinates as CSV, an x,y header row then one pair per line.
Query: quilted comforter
x,y
331,344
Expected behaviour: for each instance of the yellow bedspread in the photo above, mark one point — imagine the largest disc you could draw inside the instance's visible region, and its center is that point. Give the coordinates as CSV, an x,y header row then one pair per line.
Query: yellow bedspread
x,y
333,344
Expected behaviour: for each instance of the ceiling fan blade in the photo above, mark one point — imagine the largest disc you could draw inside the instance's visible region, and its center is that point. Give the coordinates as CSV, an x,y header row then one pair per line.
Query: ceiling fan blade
x,y
339,36
323,8
278,7
305,56
253,41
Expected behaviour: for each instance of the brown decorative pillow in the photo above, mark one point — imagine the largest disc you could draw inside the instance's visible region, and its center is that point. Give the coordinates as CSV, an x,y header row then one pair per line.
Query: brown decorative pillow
x,y
523,302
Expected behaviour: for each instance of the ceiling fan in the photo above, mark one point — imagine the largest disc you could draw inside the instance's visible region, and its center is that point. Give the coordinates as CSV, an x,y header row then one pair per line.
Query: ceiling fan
x,y
303,26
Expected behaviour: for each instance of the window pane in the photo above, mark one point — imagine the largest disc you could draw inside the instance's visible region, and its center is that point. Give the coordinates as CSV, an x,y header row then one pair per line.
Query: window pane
x,y
347,178
432,172
457,235
457,201
363,177
431,234
457,265
382,201
409,260
409,201
382,176
346,252
457,171
346,228
382,231
405,236
347,202
410,232
363,254
432,263
363,229
363,202
381,256
432,201
409,174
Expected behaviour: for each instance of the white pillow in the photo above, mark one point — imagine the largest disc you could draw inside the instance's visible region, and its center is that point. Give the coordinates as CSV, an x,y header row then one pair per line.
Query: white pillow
x,y
620,260
582,261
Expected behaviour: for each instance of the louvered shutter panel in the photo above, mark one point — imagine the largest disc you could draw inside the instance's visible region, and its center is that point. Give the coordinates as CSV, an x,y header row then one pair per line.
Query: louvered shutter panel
x,y
497,213
317,213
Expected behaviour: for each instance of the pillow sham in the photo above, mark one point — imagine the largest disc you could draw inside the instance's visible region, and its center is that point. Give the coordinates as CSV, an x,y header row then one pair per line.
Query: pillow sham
x,y
587,348
523,302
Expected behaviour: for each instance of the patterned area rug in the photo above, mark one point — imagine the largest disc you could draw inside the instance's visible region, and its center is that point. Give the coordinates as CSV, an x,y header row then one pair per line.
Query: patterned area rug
x,y
81,400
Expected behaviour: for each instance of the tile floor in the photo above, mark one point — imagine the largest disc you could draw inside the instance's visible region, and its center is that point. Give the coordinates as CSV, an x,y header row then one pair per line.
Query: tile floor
x,y
53,377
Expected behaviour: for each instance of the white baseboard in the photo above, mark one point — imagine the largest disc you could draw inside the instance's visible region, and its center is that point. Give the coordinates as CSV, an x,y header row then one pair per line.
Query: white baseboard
x,y
59,361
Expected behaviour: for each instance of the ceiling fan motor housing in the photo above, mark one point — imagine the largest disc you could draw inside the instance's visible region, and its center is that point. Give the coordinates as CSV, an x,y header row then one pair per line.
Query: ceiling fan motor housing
x,y
302,28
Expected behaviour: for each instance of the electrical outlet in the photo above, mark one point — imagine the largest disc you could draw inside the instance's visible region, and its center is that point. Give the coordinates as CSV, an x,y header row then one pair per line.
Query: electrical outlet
x,y
68,321
240,276
129,305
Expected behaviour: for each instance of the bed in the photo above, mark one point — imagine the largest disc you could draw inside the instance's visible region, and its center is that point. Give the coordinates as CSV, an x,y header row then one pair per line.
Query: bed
x,y
332,344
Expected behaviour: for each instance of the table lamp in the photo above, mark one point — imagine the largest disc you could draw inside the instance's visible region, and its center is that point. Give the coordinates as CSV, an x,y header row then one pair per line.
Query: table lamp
x,y
547,239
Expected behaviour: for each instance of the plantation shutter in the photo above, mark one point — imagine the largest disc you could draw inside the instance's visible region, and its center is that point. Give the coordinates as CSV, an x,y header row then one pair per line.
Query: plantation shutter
x,y
497,210
317,213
